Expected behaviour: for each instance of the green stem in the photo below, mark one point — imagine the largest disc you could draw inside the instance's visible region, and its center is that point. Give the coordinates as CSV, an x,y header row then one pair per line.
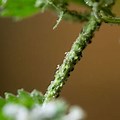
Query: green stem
x,y
71,58
75,16
69,14
109,19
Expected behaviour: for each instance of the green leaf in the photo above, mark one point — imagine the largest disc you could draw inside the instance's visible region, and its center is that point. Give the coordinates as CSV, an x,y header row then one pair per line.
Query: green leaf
x,y
28,99
30,106
23,98
2,102
10,97
20,8
37,97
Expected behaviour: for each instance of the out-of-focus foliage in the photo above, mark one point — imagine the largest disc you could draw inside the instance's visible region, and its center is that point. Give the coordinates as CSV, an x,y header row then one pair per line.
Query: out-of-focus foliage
x,y
20,8
24,8
29,106
23,98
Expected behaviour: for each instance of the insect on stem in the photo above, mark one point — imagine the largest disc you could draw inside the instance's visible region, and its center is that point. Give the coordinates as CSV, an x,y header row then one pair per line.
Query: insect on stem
x,y
71,58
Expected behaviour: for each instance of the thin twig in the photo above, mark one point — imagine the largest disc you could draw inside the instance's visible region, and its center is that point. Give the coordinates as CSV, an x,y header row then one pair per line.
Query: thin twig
x,y
76,16
109,19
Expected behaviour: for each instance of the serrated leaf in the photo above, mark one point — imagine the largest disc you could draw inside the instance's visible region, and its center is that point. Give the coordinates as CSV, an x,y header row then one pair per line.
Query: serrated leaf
x,y
37,96
10,97
28,107
25,99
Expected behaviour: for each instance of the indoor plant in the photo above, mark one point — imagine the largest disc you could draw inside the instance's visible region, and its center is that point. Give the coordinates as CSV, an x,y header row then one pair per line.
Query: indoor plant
x,y
100,12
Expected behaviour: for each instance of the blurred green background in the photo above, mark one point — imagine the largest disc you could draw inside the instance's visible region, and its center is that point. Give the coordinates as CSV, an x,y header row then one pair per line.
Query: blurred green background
x,y
30,52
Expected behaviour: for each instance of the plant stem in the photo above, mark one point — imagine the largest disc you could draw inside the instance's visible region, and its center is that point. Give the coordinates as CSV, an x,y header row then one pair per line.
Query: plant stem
x,y
109,19
76,16
71,58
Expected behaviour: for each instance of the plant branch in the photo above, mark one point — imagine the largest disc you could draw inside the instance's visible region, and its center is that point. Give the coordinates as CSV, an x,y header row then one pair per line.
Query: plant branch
x,y
71,58
109,19
76,16
64,13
